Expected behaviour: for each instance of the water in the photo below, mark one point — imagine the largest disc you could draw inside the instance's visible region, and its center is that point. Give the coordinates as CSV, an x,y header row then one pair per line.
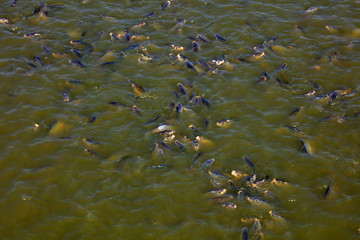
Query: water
x,y
51,188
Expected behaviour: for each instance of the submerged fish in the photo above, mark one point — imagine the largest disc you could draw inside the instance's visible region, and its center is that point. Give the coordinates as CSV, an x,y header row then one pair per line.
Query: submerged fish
x,y
208,163
328,190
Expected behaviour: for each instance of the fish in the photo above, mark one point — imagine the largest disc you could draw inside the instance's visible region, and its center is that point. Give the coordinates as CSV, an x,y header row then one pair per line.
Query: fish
x,y
160,166
176,47
222,198
139,90
179,109
224,123
283,67
310,93
305,146
89,142
328,190
277,181
152,120
202,37
181,88
79,42
220,38
208,163
130,47
32,35
218,176
92,119
204,64
179,144
245,234
311,10
137,110
249,162
45,48
66,97
276,216
90,152
76,52
264,78
38,61
190,66
166,5
228,205
195,46
197,156
216,193
116,103
238,174
77,63
207,122
150,14
138,26
296,111
242,194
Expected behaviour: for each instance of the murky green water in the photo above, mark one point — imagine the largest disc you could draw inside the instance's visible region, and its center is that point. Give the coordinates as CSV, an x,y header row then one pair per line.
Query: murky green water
x,y
134,183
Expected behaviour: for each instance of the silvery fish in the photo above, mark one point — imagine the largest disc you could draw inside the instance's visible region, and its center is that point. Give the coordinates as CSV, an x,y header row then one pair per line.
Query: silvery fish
x,y
208,163
228,205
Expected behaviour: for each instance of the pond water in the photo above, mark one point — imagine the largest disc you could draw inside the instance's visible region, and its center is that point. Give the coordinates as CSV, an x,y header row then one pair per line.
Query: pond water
x,y
109,110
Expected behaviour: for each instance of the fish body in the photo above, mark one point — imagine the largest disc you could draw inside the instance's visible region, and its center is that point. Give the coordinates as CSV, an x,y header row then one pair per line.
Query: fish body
x,y
208,163
77,63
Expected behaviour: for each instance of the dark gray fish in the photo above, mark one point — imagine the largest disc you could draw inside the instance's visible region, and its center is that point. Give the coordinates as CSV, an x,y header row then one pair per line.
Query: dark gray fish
x,y
75,82
192,96
282,67
39,9
66,97
310,93
208,163
115,103
165,145
195,46
137,110
207,122
296,111
179,144
90,141
181,88
218,176
131,47
264,78
166,5
328,190
76,52
38,61
176,94
90,152
32,35
220,38
13,3
45,48
197,156
203,63
295,129
108,63
206,102
77,63
190,65
150,14
245,234
228,205
113,37
333,96
152,120
178,109
92,119
248,161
